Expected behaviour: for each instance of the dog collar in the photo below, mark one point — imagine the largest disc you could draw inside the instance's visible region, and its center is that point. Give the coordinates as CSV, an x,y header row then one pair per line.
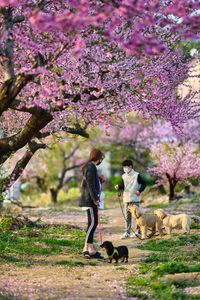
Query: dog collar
x,y
115,251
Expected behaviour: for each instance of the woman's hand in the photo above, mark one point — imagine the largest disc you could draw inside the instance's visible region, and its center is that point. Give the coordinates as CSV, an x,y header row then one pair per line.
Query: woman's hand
x,y
117,187
97,203
138,193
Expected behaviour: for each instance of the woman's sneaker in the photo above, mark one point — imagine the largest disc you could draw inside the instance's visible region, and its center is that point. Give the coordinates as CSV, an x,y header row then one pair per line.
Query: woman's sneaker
x,y
126,235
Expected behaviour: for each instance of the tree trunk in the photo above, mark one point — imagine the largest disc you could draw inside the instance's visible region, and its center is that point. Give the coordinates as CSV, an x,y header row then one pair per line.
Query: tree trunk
x,y
54,196
172,183
40,181
171,192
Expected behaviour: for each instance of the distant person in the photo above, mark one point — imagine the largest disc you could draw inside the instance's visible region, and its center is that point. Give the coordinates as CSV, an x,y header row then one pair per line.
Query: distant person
x,y
102,194
133,185
90,198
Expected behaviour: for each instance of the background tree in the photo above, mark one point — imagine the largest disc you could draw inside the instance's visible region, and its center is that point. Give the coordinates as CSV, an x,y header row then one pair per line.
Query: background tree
x,y
175,164
52,170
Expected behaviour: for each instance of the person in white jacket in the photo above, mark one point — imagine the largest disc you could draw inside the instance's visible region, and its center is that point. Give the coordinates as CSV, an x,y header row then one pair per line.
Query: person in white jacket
x,y
133,185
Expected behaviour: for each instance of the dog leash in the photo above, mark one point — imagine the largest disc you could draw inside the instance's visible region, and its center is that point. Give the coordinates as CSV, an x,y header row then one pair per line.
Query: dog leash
x,y
148,236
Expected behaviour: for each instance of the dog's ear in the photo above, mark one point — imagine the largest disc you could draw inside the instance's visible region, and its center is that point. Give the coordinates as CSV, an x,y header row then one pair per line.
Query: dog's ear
x,y
137,212
160,213
163,213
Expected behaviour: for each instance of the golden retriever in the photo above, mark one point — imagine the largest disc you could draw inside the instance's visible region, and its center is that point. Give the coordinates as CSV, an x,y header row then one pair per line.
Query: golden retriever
x,y
145,221
180,221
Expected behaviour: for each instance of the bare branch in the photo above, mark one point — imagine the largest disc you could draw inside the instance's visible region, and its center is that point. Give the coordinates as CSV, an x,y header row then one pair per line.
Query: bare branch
x,y
67,157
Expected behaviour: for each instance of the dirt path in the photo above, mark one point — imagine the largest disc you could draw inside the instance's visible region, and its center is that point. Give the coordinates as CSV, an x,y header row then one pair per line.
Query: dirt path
x,y
44,280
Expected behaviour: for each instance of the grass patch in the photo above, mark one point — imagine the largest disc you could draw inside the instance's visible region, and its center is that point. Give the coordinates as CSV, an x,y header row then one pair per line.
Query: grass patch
x,y
178,255
39,242
70,263
173,267
144,288
170,245
120,268
159,205
195,225
194,199
75,263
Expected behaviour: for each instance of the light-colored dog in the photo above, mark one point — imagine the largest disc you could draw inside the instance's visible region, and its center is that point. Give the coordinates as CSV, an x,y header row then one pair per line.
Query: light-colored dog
x,y
145,221
180,221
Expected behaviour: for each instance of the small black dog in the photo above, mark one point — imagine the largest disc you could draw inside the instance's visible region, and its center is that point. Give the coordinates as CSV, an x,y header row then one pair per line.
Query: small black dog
x,y
115,252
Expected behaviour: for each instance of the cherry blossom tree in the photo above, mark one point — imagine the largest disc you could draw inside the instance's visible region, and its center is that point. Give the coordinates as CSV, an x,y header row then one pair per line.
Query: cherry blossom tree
x,y
67,64
175,164
147,21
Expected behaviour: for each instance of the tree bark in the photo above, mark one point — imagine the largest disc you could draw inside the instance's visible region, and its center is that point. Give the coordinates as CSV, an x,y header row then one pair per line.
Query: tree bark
x,y
13,143
172,184
54,195
171,192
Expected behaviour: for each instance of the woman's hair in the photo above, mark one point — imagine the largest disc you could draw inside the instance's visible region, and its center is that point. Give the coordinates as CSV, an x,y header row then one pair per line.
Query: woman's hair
x,y
95,155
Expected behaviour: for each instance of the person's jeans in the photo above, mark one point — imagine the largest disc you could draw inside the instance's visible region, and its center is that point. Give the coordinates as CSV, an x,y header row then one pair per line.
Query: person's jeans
x,y
128,216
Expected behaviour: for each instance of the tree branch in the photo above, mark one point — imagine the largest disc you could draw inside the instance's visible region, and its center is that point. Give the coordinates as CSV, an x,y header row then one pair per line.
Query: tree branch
x,y
18,19
22,163
11,88
78,130
19,140
67,157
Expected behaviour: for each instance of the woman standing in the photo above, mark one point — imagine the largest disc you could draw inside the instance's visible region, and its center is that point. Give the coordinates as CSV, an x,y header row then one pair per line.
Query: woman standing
x,y
90,196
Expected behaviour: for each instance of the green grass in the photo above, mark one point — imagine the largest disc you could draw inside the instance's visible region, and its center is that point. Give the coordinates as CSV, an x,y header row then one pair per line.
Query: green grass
x,y
70,263
32,242
176,255
5,223
194,199
166,245
195,225
159,205
168,267
173,267
180,255
75,263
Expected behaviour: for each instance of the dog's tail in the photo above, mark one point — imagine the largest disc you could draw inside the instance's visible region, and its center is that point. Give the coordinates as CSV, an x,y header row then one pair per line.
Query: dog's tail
x,y
196,219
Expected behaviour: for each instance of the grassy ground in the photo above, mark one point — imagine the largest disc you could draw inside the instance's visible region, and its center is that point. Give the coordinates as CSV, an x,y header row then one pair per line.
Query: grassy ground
x,y
22,247
175,255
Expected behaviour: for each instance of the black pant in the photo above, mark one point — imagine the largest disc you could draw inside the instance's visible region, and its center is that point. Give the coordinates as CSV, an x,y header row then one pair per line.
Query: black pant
x,y
92,214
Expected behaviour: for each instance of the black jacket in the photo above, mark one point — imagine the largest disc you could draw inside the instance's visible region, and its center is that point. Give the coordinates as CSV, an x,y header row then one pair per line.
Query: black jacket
x,y
90,189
